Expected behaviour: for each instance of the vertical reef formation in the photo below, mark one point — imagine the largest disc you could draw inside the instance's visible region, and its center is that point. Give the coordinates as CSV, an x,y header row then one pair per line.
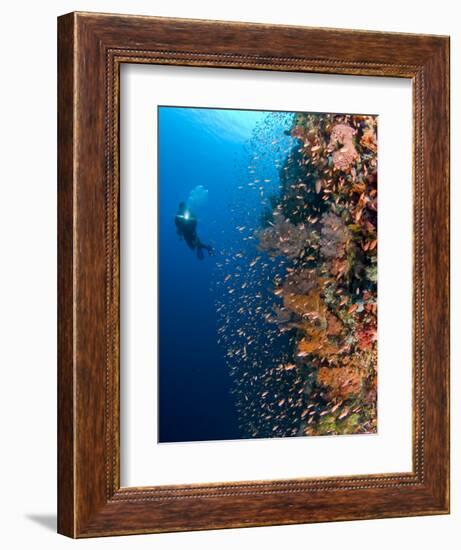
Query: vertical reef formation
x,y
297,292
323,224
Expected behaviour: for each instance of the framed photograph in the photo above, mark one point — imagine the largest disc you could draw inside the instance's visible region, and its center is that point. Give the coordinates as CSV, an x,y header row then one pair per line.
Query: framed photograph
x,y
253,275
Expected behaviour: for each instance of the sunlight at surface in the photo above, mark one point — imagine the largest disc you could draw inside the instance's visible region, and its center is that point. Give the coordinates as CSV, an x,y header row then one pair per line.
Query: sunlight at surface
x,y
227,124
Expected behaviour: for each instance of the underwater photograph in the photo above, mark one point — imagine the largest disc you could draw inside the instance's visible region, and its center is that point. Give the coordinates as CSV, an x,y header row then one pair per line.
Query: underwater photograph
x,y
267,255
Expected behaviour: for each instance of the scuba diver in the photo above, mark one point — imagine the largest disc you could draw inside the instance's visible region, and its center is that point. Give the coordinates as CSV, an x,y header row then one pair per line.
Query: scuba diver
x,y
186,227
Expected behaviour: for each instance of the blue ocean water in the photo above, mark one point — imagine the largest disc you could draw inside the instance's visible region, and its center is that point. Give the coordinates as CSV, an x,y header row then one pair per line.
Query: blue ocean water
x,y
220,163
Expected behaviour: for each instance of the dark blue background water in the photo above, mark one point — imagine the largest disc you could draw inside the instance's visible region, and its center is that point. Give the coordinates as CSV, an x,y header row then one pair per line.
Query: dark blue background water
x,y
208,148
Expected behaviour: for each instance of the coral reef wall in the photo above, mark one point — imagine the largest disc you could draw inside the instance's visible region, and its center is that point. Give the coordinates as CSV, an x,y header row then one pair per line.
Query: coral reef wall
x,y
325,223
304,361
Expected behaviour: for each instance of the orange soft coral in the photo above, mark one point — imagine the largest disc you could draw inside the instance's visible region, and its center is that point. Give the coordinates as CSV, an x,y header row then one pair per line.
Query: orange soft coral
x,y
369,140
341,382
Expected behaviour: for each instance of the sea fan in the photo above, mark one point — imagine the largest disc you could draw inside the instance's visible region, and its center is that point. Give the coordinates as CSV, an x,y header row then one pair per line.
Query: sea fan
x,y
283,238
334,236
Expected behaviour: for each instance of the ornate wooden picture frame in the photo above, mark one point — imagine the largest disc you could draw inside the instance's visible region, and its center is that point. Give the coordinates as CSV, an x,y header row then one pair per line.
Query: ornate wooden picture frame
x,y
92,48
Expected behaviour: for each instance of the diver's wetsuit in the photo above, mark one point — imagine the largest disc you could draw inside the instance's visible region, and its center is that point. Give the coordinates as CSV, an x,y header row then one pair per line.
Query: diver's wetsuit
x,y
186,226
